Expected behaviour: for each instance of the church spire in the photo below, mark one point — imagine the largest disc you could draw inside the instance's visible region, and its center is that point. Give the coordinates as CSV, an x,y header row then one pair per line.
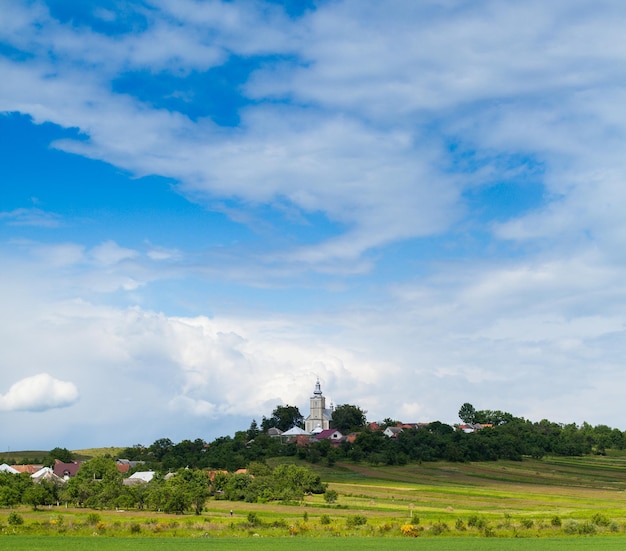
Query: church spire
x,y
318,389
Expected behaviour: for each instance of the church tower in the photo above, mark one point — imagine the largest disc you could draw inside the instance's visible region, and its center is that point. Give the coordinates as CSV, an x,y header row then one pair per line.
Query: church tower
x,y
319,417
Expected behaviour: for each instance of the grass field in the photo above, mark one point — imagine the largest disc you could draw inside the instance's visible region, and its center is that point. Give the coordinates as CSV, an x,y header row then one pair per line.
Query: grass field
x,y
430,506
22,543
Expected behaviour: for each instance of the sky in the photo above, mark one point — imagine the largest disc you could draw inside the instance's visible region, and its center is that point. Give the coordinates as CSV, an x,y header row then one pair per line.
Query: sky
x,y
207,205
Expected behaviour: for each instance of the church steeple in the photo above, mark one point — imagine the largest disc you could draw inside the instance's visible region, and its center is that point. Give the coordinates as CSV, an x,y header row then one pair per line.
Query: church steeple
x,y
319,417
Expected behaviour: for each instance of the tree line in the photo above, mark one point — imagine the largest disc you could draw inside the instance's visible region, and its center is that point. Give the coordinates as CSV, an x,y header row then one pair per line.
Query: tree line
x,y
99,485
503,436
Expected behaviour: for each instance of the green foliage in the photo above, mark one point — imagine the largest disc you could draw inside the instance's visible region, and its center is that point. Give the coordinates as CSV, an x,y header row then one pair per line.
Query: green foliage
x,y
330,496
347,418
324,519
467,413
62,454
253,519
600,520
283,418
15,519
356,520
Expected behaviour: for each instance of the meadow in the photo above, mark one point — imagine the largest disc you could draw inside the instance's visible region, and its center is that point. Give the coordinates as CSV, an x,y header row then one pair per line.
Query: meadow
x,y
553,503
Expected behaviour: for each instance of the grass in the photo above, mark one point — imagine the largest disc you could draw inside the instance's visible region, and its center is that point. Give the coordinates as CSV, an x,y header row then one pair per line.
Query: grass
x,y
34,543
578,499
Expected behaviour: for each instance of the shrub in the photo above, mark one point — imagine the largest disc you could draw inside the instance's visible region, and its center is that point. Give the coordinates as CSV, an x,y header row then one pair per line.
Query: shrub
x,y
253,519
570,527
474,521
356,520
587,528
527,523
460,525
330,496
135,528
15,519
556,521
600,520
93,519
324,519
439,528
409,530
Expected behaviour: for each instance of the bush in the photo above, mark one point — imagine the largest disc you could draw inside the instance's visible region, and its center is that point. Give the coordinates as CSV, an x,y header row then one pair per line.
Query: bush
x,y
570,527
324,519
439,528
600,520
330,496
527,523
15,519
253,519
474,521
356,520
587,528
556,521
93,519
409,530
135,528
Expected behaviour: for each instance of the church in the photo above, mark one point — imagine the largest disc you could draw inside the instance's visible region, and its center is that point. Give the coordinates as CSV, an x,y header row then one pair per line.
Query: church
x,y
319,417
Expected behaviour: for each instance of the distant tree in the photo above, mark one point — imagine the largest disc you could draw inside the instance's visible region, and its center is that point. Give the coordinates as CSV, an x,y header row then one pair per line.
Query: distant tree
x,y
62,454
493,417
389,422
467,413
253,431
283,418
348,418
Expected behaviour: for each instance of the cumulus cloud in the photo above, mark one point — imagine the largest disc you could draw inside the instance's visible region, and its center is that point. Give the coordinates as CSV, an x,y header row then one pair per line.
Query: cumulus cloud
x,y
39,393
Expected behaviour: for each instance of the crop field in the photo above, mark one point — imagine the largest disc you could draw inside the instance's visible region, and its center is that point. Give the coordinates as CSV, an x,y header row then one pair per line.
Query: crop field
x,y
554,503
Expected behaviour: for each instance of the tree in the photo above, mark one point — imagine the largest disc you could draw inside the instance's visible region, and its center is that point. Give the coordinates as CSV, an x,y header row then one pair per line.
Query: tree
x,y
348,418
467,413
62,454
283,418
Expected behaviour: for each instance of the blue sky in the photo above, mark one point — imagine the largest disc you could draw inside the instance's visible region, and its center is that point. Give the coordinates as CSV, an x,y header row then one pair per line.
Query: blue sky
x,y
206,205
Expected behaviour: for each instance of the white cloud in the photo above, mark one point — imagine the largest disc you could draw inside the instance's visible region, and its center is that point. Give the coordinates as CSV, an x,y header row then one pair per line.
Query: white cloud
x,y
31,217
109,253
39,393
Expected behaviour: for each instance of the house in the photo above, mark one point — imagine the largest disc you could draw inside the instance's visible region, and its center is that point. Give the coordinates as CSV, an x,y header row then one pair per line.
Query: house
x,y
4,468
140,477
125,465
274,432
332,435
46,473
473,427
392,432
66,470
30,469
319,416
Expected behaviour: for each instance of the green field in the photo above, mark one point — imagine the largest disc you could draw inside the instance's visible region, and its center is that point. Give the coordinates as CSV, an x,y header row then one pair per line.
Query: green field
x,y
337,544
554,503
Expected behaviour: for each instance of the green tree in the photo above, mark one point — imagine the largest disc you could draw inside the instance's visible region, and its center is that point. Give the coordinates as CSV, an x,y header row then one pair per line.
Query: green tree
x,y
283,418
97,483
348,418
467,413
62,454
